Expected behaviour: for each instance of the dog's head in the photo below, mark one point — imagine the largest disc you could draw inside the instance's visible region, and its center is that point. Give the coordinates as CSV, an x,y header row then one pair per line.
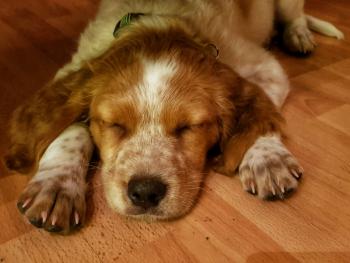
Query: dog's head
x,y
158,112
158,101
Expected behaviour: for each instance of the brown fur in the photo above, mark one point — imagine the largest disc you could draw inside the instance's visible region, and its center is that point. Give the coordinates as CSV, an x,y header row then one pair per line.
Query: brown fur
x,y
240,111
36,123
254,116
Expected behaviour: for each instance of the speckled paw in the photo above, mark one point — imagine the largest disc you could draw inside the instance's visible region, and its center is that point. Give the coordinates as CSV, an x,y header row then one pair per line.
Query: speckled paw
x,y
269,170
56,204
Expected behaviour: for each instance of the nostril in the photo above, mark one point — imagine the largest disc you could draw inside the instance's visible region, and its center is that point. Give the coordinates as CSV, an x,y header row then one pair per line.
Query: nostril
x,y
146,192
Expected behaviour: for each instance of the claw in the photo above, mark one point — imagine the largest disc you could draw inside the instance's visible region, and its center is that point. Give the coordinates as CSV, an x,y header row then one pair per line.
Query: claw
x,y
297,174
76,218
300,170
252,187
273,190
282,189
54,220
44,216
26,202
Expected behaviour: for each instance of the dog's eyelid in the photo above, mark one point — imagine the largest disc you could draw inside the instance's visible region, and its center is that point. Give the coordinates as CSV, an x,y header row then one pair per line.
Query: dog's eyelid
x,y
116,124
113,125
119,126
203,123
181,128
200,125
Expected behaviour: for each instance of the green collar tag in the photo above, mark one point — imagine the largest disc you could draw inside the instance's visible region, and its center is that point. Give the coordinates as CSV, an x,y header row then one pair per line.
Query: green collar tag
x,y
126,20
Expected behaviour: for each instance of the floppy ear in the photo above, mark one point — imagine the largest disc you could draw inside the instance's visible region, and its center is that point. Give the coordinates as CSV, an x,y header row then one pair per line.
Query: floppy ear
x,y
37,122
253,115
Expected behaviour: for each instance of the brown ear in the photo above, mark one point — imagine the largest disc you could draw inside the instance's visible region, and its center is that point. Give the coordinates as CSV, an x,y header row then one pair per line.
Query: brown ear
x,y
253,115
37,122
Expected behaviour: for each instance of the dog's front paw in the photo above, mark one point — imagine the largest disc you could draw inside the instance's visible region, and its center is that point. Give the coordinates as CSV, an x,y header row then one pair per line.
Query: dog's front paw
x,y
298,39
269,170
54,202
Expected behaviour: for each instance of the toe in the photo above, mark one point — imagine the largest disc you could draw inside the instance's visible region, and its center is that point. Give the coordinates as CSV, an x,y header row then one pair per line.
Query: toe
x,y
267,187
59,219
36,221
248,181
41,207
23,205
276,184
28,195
78,214
299,40
293,166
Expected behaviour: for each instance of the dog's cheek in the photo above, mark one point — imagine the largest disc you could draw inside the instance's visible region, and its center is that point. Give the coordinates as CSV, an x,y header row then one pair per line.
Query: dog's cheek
x,y
96,133
187,195
195,146
193,152
105,140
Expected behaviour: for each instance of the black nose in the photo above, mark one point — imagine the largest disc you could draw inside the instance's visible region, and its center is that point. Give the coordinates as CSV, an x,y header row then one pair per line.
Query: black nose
x,y
146,192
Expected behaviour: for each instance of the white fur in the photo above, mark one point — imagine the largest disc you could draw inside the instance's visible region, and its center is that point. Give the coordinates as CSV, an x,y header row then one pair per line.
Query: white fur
x,y
238,36
60,179
205,16
154,85
115,196
324,27
268,168
71,151
268,74
137,155
221,22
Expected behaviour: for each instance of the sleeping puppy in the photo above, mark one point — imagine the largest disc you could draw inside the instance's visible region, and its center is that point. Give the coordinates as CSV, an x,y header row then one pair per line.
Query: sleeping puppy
x,y
161,88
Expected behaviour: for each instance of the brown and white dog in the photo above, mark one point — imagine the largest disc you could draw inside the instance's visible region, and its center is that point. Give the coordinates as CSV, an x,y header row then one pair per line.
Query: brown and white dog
x,y
159,99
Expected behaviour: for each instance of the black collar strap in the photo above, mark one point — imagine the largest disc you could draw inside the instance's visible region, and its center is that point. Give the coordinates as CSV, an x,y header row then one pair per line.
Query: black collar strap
x,y
126,20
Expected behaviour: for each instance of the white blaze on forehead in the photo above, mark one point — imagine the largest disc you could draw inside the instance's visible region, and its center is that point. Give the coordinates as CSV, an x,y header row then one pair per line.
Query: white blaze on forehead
x,y
154,85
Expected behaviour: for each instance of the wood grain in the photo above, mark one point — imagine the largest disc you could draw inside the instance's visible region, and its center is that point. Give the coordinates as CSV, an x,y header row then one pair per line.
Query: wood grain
x,y
227,224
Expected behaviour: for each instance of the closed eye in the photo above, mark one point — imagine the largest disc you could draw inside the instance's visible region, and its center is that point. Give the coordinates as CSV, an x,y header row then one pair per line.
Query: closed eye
x,y
118,125
179,130
183,128
115,125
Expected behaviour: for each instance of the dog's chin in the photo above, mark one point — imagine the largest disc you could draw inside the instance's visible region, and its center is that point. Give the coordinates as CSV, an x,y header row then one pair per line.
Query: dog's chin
x,y
152,214
148,215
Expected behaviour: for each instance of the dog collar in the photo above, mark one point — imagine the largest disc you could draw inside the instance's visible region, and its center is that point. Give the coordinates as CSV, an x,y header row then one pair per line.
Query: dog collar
x,y
129,17
126,20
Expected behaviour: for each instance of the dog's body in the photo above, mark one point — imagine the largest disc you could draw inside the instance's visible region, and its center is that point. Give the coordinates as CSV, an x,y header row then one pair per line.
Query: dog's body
x,y
220,22
159,99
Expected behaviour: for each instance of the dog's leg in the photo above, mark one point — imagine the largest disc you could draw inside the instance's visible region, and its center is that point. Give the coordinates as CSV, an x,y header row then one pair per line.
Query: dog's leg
x,y
258,66
55,197
297,37
268,168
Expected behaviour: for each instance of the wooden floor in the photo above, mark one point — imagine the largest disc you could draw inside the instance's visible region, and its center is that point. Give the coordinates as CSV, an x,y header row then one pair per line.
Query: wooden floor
x,y
227,225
